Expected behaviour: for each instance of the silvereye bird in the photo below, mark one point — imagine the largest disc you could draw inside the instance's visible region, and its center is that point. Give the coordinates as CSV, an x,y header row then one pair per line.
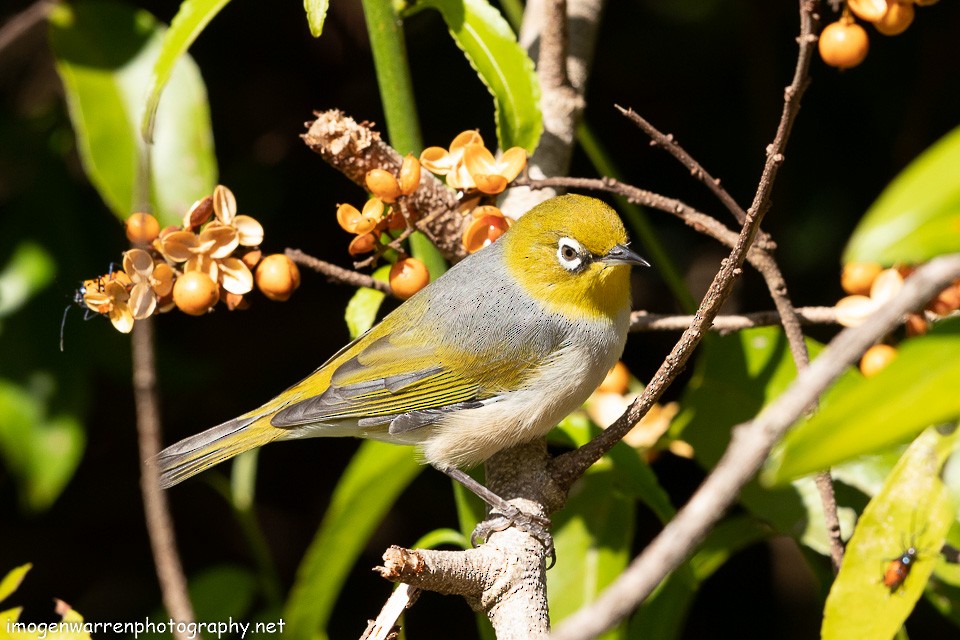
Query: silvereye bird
x,y
492,354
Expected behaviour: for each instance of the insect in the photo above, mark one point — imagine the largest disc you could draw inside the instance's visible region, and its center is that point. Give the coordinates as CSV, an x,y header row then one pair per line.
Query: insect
x,y
97,284
898,569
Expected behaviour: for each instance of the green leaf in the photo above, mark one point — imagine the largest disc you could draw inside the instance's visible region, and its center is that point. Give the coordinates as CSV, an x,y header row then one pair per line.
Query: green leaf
x,y
105,54
362,309
41,452
593,535
376,475
915,391
191,19
11,581
503,66
441,537
30,269
735,377
316,15
913,509
663,615
223,592
917,216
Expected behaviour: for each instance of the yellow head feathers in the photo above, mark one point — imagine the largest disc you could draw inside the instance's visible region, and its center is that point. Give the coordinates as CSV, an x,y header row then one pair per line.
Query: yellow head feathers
x,y
571,253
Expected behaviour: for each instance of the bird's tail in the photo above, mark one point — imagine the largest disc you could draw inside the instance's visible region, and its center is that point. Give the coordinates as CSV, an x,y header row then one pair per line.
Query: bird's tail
x,y
189,457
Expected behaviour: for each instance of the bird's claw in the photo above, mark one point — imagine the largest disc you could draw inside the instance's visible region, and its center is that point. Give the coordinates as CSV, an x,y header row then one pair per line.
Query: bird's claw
x,y
536,526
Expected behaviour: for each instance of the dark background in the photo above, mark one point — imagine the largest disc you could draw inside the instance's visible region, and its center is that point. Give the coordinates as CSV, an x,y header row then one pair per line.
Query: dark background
x,y
711,72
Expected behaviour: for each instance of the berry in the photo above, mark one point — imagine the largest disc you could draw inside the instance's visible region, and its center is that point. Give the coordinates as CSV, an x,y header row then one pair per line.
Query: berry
x,y
617,380
195,293
857,277
897,18
876,359
407,277
142,228
482,231
277,277
844,44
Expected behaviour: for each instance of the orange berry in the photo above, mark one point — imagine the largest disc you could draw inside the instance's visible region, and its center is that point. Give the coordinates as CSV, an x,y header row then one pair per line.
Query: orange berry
x,y
617,380
876,359
857,277
844,44
407,277
869,10
195,293
362,244
897,18
483,231
383,185
409,175
277,277
142,228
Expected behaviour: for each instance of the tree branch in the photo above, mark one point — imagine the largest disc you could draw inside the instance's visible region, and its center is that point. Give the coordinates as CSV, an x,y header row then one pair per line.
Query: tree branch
x,y
353,149
645,321
749,447
173,584
337,274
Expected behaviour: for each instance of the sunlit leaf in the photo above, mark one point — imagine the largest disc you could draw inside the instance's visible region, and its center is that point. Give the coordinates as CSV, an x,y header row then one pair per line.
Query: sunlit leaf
x,y
917,216
12,580
502,64
192,18
376,475
735,377
362,308
913,509
105,54
316,15
29,270
40,451
918,389
592,535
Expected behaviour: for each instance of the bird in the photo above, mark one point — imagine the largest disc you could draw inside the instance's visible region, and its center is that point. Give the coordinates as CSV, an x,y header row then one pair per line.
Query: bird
x,y
492,354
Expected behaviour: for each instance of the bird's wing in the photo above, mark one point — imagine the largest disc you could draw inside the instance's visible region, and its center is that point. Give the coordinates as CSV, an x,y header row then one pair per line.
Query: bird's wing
x,y
404,384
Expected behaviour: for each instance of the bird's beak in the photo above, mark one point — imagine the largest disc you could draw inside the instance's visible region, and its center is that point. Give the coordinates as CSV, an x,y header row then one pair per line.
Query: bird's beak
x,y
622,254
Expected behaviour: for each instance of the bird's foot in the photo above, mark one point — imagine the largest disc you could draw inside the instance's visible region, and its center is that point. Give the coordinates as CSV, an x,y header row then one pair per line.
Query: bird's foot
x,y
511,516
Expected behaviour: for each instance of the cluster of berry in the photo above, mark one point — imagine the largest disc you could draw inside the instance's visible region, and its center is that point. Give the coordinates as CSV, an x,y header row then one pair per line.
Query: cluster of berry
x,y
207,259
870,286
844,43
468,166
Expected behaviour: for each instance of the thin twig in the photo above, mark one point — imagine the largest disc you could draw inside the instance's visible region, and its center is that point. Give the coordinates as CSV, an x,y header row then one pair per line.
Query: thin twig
x,y
22,22
645,321
383,628
667,142
749,447
337,274
173,583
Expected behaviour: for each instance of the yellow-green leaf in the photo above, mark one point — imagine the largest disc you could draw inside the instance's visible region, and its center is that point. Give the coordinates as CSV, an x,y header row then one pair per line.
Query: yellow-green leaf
x,y
106,53
917,216
491,47
12,580
862,415
912,510
316,15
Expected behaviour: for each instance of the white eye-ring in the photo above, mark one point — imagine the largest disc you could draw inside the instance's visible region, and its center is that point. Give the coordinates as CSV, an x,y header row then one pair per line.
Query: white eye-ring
x,y
570,254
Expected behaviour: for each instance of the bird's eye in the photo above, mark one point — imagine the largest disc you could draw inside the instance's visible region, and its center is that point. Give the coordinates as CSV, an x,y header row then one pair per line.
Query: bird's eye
x,y
570,254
